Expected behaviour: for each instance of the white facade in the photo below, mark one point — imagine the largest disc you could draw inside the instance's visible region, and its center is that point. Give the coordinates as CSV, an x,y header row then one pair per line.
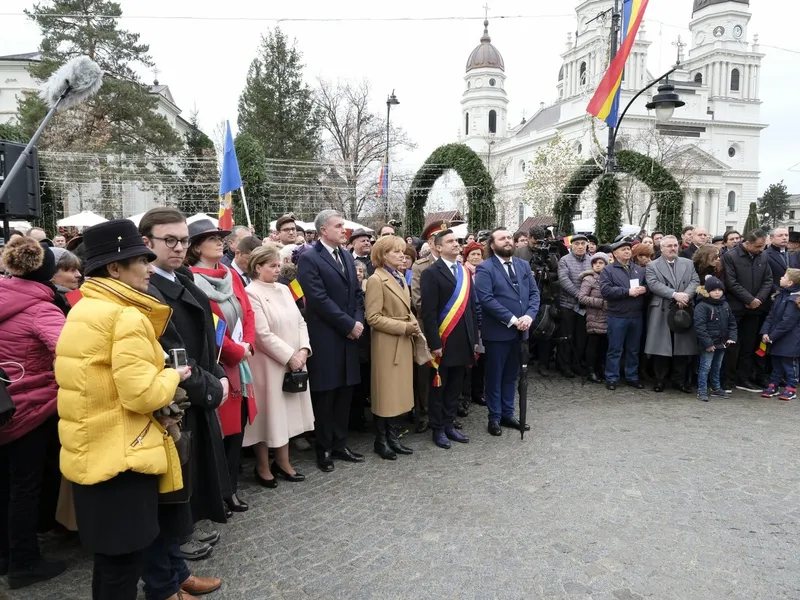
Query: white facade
x,y
719,126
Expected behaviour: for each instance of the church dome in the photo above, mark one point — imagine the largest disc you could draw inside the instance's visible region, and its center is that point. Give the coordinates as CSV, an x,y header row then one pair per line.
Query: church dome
x,y
701,4
485,55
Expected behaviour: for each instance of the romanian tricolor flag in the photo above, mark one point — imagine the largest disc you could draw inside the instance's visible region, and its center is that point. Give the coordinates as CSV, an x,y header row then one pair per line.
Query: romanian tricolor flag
x,y
296,290
229,181
605,103
383,180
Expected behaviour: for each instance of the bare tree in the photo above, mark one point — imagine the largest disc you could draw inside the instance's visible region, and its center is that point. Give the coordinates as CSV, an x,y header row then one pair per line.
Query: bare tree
x,y
355,137
548,173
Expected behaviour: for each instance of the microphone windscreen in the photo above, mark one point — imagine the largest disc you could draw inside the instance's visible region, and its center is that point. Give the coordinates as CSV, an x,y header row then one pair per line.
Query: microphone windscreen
x,y
81,73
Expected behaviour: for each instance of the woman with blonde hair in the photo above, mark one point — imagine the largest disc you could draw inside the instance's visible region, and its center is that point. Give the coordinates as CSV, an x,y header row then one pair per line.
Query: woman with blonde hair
x,y
388,312
282,346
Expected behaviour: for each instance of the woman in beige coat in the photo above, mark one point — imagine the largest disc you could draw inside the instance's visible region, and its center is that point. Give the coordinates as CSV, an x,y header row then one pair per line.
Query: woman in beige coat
x,y
281,345
388,311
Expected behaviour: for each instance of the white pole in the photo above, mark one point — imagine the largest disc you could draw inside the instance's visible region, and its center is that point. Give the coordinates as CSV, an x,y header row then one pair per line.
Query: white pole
x,y
246,210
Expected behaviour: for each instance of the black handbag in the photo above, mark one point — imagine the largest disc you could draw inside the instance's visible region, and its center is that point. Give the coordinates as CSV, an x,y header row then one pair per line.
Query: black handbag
x,y
295,382
7,406
185,448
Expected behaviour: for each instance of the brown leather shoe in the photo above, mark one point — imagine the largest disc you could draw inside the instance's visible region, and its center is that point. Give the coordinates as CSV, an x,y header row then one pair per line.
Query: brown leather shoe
x,y
200,585
181,595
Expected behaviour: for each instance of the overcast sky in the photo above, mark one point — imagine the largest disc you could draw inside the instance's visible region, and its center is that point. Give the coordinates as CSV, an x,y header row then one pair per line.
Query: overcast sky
x,y
204,59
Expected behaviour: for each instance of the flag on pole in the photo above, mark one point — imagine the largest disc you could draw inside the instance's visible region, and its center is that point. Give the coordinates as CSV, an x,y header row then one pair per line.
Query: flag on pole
x,y
383,179
219,330
296,290
229,181
605,102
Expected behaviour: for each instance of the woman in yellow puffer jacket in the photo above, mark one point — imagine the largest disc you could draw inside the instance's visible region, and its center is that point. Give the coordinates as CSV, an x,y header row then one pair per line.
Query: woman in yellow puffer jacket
x,y
111,376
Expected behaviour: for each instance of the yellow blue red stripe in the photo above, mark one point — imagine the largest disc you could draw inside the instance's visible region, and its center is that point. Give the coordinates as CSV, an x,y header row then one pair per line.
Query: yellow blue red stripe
x,y
451,314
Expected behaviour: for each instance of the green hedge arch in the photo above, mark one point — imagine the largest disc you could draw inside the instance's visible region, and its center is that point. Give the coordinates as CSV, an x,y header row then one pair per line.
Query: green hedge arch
x,y
469,166
669,203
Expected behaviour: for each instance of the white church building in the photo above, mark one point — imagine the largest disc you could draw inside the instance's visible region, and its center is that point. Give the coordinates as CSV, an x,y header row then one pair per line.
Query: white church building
x,y
720,124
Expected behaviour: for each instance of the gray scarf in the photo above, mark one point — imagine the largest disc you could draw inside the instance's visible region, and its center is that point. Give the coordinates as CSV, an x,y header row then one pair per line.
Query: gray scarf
x,y
221,292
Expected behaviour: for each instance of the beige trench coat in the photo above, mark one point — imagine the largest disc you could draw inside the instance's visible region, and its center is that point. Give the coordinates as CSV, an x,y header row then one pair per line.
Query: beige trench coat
x,y
388,312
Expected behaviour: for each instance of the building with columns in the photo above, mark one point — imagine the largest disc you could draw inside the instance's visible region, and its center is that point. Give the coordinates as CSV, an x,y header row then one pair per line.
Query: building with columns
x,y
718,131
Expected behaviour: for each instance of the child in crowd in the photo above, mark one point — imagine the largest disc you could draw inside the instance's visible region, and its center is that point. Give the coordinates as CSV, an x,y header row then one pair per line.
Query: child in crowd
x,y
782,331
596,317
716,329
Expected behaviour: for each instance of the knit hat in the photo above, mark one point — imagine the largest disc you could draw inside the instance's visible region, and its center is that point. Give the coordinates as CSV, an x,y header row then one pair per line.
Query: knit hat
x,y
26,258
470,247
600,256
712,283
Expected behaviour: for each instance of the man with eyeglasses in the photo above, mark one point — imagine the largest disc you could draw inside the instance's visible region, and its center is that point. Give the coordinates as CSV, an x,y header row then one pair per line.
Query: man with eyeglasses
x,y
237,234
191,327
287,230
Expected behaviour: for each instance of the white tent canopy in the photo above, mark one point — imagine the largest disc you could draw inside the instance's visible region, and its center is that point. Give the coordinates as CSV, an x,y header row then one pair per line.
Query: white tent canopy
x,y
20,225
460,231
136,218
83,219
587,226
200,217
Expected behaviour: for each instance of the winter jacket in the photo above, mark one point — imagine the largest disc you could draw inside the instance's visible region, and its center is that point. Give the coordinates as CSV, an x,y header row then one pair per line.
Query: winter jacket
x,y
570,268
592,299
111,375
615,286
714,322
783,323
29,328
746,278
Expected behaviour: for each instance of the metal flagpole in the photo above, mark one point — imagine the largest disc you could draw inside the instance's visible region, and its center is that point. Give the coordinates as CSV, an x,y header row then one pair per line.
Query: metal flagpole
x,y
246,210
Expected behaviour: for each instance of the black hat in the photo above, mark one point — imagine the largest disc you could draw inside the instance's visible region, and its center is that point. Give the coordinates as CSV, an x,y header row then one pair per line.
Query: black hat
x,y
621,244
593,239
578,237
717,239
712,283
360,232
679,319
113,241
794,237
203,228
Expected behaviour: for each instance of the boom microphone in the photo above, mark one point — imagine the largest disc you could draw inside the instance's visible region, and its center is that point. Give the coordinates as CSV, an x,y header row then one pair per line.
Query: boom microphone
x,y
74,82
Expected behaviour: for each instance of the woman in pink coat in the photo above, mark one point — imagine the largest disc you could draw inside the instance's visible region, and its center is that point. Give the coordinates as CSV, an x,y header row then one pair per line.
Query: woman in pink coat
x,y
30,324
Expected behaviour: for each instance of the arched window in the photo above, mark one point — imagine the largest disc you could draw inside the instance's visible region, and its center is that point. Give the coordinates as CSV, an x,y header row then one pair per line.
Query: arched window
x,y
735,80
492,121
731,201
698,78
583,73
561,73
466,124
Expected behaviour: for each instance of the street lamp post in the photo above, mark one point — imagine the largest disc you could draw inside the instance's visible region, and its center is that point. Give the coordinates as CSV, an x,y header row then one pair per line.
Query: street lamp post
x,y
391,100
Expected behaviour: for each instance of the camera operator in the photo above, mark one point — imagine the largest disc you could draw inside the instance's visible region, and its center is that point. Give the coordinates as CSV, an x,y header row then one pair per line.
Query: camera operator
x,y
573,315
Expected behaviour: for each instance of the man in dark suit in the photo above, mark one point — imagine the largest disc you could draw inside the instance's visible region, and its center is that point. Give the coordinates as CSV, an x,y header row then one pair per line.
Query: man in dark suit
x,y
335,318
362,248
509,301
457,351
205,476
779,256
236,235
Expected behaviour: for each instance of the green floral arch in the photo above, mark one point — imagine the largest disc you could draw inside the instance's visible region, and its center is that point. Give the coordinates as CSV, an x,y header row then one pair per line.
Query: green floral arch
x,y
477,180
669,203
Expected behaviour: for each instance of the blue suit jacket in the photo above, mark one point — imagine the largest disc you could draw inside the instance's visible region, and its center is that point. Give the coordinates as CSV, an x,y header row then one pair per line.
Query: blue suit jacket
x,y
778,264
500,300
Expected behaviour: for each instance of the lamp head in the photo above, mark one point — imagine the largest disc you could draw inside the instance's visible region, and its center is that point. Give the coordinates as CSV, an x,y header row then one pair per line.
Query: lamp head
x,y
665,102
392,100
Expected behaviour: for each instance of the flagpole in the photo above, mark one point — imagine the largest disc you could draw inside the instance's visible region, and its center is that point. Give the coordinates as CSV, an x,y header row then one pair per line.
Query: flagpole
x,y
612,134
246,210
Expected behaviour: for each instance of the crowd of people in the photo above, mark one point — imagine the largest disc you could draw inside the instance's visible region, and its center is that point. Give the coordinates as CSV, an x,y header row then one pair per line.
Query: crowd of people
x,y
142,362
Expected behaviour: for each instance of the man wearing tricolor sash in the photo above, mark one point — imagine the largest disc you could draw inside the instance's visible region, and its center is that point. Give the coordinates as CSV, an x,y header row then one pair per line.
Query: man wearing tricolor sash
x,y
450,324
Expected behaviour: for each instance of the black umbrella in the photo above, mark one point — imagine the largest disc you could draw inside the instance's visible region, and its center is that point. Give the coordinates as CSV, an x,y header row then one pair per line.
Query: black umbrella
x,y
522,384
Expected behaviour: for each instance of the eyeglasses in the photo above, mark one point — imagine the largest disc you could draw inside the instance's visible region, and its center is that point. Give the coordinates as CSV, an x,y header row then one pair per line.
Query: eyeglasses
x,y
288,229
171,241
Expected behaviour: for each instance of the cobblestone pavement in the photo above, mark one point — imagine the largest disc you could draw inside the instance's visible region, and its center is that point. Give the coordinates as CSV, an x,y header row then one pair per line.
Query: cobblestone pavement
x,y
615,496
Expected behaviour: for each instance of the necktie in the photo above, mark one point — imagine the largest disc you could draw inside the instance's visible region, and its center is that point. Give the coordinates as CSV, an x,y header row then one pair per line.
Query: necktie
x,y
338,259
511,275
672,267
454,266
786,258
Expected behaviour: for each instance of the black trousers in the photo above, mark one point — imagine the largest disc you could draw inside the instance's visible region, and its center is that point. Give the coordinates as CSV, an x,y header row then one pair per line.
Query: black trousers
x,y
596,348
233,450
116,577
474,380
739,358
674,368
443,400
331,417
571,351
22,464
422,386
360,395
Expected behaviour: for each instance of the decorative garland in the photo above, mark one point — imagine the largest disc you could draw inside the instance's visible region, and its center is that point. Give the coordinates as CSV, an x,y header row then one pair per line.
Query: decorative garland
x,y
477,180
609,201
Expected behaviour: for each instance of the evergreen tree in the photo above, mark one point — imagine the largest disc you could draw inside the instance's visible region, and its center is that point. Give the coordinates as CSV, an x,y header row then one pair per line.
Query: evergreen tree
x,y
773,205
121,118
199,169
277,109
253,169
752,219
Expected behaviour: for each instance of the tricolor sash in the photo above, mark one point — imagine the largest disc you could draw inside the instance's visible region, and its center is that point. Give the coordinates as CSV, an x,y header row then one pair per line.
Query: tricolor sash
x,y
451,315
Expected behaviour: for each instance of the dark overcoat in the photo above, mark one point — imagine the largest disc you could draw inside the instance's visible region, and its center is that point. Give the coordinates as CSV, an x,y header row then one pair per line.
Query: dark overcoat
x,y
334,302
437,285
192,327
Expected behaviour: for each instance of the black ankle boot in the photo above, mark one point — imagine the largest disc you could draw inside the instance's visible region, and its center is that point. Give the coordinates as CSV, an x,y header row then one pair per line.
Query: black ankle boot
x,y
381,447
42,570
392,438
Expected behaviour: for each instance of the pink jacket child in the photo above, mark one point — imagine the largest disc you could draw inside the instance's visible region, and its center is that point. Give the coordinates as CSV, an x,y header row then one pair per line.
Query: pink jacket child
x,y
29,328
